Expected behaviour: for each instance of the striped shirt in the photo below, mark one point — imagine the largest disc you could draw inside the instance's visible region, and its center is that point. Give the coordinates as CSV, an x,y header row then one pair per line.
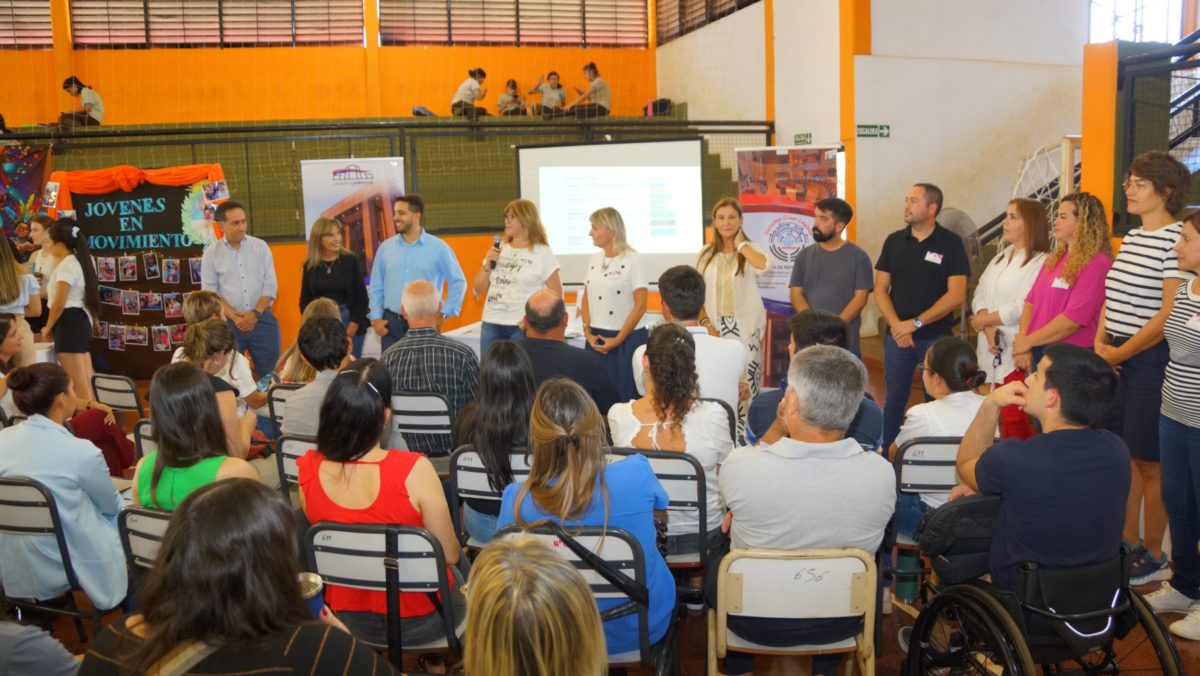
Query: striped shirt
x,y
1181,388
426,361
1133,288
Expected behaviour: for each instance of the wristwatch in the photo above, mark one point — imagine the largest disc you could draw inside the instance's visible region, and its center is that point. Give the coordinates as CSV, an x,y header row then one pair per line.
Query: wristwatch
x,y
917,323
258,313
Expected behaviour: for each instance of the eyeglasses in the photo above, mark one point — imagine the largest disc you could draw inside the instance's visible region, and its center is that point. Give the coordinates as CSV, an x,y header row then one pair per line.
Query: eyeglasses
x,y
1136,185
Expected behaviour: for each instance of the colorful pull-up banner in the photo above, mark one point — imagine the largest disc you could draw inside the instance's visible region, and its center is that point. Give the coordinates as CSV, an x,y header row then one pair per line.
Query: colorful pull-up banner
x,y
22,173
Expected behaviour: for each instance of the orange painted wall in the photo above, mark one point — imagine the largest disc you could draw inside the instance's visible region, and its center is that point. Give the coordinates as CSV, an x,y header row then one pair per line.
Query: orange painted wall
x,y
154,86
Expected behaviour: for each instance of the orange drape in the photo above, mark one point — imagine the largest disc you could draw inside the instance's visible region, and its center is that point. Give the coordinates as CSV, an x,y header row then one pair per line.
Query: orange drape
x,y
125,177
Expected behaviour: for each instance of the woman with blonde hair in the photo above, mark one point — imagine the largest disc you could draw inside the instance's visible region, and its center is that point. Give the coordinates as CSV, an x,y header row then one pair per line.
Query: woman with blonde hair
x,y
19,297
520,264
572,484
614,300
530,612
331,271
733,308
1064,303
291,367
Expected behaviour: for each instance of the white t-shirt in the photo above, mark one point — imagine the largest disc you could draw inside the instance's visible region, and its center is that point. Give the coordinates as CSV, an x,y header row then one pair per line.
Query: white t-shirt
x,y
518,274
706,435
720,365
949,416
467,92
88,96
71,272
43,263
236,373
609,285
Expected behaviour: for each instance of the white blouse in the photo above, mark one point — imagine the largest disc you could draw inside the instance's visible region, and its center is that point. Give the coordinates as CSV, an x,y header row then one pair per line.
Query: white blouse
x,y
749,310
706,433
518,274
1002,288
609,285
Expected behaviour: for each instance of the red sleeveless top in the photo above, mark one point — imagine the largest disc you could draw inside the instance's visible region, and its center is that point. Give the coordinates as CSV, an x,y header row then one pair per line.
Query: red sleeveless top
x,y
392,506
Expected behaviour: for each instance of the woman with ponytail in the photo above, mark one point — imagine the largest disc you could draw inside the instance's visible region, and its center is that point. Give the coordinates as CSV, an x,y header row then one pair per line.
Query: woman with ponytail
x,y
18,297
671,417
74,296
950,374
572,484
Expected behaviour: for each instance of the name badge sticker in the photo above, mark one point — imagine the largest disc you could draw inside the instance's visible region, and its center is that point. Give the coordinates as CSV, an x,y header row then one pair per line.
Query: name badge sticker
x,y
933,257
1194,322
1060,283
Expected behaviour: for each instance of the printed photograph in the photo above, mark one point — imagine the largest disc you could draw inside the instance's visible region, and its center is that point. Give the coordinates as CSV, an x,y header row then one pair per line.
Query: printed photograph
x,y
150,262
170,271
116,337
129,268
178,332
137,335
172,305
151,301
217,191
110,295
103,332
106,269
130,303
161,338
194,270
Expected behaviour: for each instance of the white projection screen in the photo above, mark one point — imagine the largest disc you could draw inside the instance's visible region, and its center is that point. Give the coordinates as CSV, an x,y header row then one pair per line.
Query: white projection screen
x,y
654,184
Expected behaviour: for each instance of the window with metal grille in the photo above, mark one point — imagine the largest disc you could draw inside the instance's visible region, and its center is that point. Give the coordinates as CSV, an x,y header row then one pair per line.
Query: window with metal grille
x,y
25,23
513,22
162,23
675,18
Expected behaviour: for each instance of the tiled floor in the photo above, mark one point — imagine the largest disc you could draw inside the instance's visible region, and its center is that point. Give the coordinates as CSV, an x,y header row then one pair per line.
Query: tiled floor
x,y
693,630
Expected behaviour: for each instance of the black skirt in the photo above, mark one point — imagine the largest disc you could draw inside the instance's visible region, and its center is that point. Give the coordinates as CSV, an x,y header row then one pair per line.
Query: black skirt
x,y
73,332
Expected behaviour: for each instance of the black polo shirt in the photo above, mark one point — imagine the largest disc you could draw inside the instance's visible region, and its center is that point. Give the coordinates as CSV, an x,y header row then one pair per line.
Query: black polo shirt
x,y
920,271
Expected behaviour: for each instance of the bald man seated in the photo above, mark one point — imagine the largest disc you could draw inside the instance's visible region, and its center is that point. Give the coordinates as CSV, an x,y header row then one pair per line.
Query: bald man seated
x,y
545,325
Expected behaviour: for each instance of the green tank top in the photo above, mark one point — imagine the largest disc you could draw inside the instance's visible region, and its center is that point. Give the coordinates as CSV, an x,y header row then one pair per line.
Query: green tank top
x,y
175,483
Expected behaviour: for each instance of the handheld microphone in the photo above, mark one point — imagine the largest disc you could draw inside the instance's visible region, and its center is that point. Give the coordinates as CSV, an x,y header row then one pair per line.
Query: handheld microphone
x,y
495,245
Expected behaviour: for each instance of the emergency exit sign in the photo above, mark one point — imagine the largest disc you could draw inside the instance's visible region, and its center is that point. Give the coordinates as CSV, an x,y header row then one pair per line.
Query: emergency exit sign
x,y
874,131
802,139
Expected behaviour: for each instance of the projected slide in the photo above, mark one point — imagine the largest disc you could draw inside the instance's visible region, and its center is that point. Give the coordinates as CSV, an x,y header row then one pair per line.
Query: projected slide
x,y
656,186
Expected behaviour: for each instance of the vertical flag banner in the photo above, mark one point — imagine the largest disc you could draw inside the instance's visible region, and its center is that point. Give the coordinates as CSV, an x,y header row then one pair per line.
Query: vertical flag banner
x,y
358,193
777,188
22,174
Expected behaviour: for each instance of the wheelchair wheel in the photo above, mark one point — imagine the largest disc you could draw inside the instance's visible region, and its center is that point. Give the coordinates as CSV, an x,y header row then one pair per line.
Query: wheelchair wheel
x,y
963,630
1135,652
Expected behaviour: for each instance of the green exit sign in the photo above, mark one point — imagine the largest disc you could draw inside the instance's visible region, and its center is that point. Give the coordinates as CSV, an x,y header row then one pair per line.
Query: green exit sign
x,y
874,131
802,139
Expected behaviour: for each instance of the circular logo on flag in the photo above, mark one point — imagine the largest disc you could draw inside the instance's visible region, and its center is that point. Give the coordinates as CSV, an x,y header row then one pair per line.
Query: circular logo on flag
x,y
786,236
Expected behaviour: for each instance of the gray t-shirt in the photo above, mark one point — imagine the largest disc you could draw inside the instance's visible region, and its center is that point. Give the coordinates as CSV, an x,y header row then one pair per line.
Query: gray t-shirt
x,y
829,279
600,94
29,650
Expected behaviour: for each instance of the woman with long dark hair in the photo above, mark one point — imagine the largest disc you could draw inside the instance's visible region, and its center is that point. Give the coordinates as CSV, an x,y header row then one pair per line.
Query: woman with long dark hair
x,y
74,296
350,478
91,106
223,597
573,484
496,424
950,374
331,271
191,442
671,417
19,297
42,263
74,470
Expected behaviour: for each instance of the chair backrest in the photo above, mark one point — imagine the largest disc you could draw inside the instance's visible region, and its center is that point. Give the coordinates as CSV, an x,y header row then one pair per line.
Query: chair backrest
x,y
927,465
682,477
143,439
425,416
118,392
803,584
618,548
288,449
27,508
277,399
142,532
729,414
362,556
468,475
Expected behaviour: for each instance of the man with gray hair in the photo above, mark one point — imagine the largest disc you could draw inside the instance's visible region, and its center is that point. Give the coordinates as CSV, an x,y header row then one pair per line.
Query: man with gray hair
x,y
545,342
426,361
811,489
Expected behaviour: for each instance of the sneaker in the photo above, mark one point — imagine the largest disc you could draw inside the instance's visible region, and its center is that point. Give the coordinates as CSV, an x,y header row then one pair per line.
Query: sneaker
x,y
1188,627
887,601
1167,599
1147,569
903,637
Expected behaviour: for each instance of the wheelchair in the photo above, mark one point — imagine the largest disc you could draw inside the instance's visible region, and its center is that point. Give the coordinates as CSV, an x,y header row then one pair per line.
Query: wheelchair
x,y
1067,620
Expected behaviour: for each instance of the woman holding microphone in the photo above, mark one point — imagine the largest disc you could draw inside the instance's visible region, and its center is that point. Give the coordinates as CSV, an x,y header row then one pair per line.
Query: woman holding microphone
x,y
614,300
1000,298
520,263
733,307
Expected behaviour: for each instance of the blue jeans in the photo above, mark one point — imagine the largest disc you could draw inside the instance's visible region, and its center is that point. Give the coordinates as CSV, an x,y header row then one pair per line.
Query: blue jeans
x,y
262,343
1179,447
899,363
490,333
909,512
356,341
397,326
479,525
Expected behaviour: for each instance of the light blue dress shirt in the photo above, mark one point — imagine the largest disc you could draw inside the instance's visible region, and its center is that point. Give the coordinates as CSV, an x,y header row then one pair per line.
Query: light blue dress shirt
x,y
29,287
74,471
397,263
239,275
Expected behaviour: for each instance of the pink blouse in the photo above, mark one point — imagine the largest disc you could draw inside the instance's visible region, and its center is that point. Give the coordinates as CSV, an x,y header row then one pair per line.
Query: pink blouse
x,y
1080,302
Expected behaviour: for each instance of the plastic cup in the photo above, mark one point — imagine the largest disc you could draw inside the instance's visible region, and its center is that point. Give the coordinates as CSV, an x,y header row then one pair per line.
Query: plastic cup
x,y
312,588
